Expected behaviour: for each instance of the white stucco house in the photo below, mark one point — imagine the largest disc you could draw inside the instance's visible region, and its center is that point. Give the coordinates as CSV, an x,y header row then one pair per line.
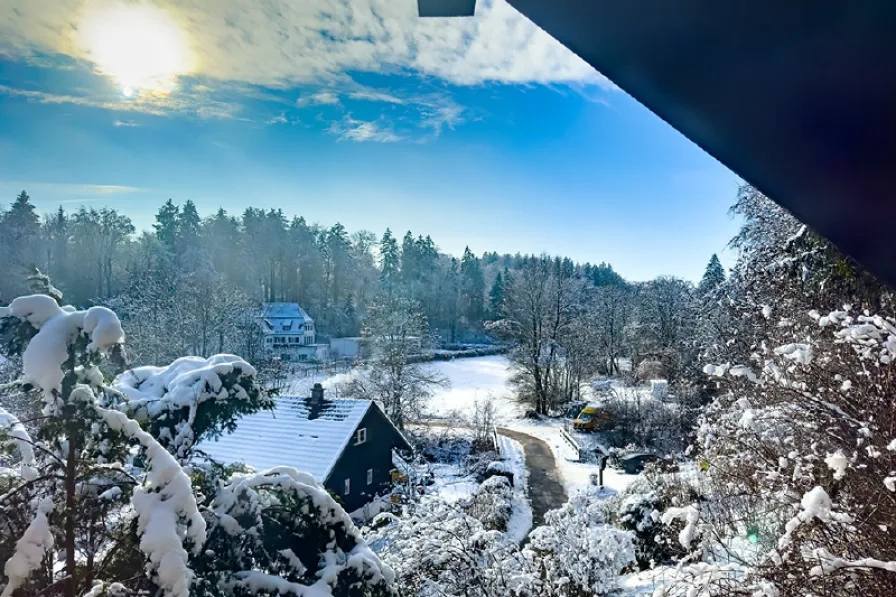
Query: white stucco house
x,y
288,331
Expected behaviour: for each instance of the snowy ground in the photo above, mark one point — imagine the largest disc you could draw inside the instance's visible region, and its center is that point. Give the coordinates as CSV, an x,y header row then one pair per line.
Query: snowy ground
x,y
521,520
470,380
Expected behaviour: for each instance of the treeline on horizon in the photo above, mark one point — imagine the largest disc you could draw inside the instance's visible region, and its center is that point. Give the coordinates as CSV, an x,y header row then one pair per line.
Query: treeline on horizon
x,y
199,273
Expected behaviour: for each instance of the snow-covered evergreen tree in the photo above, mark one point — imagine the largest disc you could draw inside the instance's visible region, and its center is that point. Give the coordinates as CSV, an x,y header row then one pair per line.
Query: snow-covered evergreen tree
x,y
713,277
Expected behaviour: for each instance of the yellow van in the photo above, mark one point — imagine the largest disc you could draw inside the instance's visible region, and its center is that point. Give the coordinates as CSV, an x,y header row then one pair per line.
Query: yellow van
x,y
592,418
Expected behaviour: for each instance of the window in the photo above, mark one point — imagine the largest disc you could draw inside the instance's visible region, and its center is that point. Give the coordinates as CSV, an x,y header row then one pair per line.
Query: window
x,y
348,487
360,436
370,476
268,340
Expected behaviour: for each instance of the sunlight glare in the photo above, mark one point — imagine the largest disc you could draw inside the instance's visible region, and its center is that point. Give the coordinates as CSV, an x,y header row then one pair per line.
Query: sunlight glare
x,y
138,45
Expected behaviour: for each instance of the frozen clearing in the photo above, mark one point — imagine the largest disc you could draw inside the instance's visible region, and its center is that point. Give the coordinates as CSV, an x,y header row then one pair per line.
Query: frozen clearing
x,y
471,380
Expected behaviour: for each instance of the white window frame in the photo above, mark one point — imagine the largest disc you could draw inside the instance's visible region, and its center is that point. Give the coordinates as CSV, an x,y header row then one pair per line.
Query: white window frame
x,y
361,436
370,476
348,487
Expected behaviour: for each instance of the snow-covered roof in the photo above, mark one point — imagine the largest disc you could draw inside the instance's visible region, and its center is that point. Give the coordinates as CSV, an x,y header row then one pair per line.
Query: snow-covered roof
x,y
284,311
287,437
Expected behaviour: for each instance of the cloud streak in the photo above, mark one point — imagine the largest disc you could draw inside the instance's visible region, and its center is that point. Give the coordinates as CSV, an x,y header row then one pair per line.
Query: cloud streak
x,y
321,98
156,105
74,189
350,129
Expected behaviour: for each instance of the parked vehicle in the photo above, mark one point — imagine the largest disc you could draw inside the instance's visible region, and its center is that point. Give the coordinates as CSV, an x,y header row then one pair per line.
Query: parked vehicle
x,y
591,418
634,463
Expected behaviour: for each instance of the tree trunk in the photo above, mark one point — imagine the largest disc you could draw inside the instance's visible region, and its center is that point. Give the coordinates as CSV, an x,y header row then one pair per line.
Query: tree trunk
x,y
70,488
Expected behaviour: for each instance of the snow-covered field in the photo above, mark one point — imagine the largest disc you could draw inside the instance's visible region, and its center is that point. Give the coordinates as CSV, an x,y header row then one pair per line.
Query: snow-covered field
x,y
471,380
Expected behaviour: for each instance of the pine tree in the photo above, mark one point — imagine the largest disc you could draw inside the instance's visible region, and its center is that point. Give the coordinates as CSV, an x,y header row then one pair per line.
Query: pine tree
x,y
166,225
21,215
390,258
713,277
21,230
409,259
472,288
496,297
189,227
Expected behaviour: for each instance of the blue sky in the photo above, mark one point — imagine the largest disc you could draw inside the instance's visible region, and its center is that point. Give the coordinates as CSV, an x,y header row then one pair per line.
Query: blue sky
x,y
482,132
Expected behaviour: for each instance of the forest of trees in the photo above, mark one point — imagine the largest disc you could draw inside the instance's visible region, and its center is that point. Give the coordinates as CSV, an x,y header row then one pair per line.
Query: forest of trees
x,y
185,286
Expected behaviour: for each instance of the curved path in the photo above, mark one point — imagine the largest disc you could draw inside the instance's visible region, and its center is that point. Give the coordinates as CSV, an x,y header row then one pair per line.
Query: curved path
x,y
546,492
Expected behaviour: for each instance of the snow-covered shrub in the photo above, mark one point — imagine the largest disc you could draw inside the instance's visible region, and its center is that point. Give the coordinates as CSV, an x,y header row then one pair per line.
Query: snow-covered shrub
x,y
639,509
577,553
438,550
482,423
650,369
492,504
638,419
802,457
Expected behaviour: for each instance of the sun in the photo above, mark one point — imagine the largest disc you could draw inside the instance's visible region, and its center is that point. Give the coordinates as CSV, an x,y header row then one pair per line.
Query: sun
x,y
139,46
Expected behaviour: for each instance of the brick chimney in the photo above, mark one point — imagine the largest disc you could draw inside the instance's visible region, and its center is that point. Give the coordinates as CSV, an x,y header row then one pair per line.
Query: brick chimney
x,y
316,402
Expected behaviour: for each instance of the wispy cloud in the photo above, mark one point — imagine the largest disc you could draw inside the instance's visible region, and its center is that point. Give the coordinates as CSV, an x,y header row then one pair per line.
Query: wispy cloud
x,y
350,129
72,189
321,98
371,95
441,117
154,104
125,123
422,115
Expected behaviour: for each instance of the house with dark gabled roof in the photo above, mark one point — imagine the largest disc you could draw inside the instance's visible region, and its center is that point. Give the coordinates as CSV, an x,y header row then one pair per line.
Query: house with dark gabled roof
x,y
345,444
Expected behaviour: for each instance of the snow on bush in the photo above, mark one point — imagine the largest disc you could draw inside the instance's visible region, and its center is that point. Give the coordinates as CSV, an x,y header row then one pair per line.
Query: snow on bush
x,y
640,509
492,504
438,549
797,457
281,532
577,552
